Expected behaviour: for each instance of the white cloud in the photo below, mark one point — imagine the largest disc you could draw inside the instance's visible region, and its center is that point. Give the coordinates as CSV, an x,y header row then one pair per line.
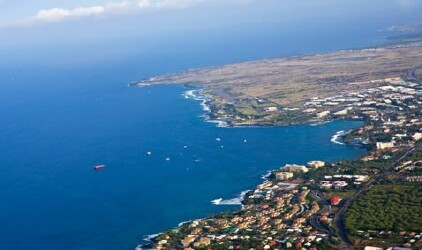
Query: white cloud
x,y
60,14
144,4
57,14
169,3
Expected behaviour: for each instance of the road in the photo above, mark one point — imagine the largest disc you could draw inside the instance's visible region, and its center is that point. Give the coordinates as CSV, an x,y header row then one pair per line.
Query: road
x,y
314,219
339,218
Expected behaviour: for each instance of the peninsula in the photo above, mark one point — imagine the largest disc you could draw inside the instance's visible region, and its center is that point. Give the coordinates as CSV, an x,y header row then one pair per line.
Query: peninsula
x,y
297,89
368,203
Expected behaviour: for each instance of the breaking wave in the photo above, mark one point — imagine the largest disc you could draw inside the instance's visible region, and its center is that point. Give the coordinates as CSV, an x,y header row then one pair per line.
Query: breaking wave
x,y
337,138
197,95
234,201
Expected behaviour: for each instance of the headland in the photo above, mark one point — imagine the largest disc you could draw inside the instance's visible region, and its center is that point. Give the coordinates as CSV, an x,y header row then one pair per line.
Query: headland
x,y
350,204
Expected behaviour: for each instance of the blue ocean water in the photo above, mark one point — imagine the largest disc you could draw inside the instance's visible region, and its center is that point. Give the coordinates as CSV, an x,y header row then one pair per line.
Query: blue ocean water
x,y
52,135
58,121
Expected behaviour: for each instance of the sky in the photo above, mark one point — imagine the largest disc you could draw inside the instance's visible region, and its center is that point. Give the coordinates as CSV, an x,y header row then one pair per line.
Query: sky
x,y
111,28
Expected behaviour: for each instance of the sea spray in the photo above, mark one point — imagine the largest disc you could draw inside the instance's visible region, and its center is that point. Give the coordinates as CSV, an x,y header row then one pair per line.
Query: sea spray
x,y
337,137
198,96
234,201
267,175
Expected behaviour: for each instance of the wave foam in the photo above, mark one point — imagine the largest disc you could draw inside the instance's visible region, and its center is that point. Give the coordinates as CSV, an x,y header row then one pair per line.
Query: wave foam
x,y
337,137
234,201
265,176
150,237
183,223
197,95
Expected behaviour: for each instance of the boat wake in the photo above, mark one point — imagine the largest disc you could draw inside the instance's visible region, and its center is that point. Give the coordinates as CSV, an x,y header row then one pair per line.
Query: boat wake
x,y
234,201
337,138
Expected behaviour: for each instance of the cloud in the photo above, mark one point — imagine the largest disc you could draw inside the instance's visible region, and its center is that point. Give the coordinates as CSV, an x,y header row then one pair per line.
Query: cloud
x,y
169,3
59,14
54,15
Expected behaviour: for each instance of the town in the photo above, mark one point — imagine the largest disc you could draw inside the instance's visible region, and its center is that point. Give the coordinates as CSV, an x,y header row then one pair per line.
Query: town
x,y
323,205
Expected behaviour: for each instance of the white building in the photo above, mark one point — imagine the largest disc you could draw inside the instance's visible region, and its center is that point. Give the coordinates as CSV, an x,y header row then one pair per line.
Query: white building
x,y
295,168
339,184
385,145
323,114
417,136
315,164
271,109
283,175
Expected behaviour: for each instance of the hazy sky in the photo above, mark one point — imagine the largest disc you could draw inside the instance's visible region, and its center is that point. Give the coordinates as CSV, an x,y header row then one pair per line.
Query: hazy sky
x,y
62,27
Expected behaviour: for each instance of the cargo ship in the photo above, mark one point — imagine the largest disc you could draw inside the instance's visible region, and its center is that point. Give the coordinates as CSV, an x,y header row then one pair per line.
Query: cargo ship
x,y
99,167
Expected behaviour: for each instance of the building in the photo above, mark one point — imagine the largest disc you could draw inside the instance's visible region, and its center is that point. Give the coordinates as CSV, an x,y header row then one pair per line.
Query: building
x,y
323,218
202,242
416,178
188,240
283,175
315,164
417,136
335,200
342,112
271,109
309,110
323,114
326,184
295,168
385,145
339,184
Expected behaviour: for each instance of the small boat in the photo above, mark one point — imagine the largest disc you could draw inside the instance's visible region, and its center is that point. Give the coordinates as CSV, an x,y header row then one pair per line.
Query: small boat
x,y
168,159
185,147
99,167
218,139
149,153
245,141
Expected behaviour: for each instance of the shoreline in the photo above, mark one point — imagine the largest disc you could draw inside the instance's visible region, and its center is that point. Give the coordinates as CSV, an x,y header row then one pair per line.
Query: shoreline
x,y
231,96
311,210
195,94
206,104
387,106
388,43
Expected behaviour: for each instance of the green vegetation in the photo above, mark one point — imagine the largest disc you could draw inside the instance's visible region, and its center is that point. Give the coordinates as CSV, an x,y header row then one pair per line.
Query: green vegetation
x,y
416,155
387,207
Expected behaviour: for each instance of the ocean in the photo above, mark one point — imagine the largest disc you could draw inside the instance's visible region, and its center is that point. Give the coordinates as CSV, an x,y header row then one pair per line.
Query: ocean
x,y
58,122
53,135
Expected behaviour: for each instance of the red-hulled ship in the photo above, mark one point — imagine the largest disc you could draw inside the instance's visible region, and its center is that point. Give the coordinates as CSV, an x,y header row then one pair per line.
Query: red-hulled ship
x,y
99,167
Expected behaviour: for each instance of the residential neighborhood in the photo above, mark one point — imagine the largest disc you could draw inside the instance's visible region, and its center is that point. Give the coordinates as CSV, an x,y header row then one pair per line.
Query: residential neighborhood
x,y
306,206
